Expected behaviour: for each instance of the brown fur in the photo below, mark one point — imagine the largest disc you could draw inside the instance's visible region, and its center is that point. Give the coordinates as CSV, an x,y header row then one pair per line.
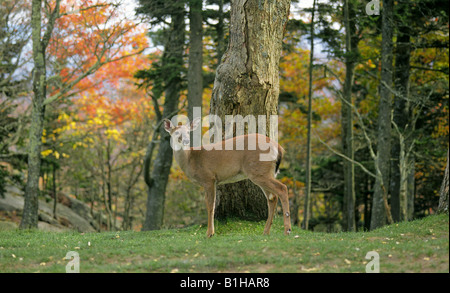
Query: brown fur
x,y
211,167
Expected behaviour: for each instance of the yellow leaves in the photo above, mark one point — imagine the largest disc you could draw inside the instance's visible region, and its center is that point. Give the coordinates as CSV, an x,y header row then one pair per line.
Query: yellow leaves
x,y
79,144
290,182
370,64
89,140
46,153
63,117
114,134
55,154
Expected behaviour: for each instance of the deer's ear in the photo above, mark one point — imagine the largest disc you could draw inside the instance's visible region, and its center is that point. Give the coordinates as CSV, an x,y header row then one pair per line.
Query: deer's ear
x,y
195,123
168,125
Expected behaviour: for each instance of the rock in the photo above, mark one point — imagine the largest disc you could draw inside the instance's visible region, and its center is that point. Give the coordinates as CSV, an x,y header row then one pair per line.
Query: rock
x,y
14,190
14,202
84,210
11,203
78,207
5,226
47,218
52,228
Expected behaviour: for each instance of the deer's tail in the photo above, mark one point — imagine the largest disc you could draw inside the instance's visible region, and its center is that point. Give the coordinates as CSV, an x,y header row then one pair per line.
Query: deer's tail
x,y
279,158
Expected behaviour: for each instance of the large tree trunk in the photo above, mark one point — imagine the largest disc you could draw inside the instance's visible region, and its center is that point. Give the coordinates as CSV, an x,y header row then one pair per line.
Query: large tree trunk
x,y
194,75
173,54
443,193
380,206
351,44
30,209
247,82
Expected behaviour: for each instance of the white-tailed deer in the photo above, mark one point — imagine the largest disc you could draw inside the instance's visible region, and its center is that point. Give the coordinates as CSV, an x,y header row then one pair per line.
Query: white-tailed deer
x,y
214,164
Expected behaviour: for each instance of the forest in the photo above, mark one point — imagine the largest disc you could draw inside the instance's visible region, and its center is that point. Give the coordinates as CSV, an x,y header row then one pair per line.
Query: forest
x,y
361,90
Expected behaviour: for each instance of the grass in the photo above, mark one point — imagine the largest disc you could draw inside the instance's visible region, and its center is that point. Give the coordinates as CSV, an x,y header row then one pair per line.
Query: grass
x,y
417,246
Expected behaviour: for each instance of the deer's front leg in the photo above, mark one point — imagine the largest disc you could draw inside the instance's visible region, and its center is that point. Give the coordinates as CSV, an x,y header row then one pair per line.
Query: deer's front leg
x,y
210,199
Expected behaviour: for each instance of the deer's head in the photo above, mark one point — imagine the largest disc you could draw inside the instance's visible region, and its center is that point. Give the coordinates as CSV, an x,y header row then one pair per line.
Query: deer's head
x,y
180,133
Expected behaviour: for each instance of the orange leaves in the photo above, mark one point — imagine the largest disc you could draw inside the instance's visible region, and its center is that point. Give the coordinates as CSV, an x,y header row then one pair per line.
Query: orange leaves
x,y
294,72
293,117
94,51
88,35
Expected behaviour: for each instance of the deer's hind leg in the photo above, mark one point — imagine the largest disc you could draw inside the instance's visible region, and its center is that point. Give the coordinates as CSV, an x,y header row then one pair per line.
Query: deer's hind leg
x,y
272,186
272,201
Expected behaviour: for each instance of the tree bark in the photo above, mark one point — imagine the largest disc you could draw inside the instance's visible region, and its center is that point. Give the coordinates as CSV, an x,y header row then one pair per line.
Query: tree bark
x,y
307,203
411,187
173,58
351,44
380,206
54,190
247,82
30,209
194,75
400,152
220,28
443,193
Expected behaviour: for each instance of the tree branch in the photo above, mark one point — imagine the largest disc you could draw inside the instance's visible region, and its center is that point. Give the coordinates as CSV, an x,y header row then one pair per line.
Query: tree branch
x,y
90,71
151,146
50,25
345,157
445,71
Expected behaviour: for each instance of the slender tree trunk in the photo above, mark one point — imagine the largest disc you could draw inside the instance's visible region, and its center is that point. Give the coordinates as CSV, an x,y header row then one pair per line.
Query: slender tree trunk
x,y
367,202
295,204
173,53
247,82
400,152
194,75
351,43
411,188
55,192
109,174
443,193
307,207
30,209
380,205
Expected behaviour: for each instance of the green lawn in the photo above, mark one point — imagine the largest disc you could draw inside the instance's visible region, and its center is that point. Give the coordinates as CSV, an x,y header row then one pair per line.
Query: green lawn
x,y
418,246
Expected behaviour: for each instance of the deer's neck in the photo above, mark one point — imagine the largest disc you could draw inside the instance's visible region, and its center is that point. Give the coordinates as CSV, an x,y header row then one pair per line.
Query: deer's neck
x,y
182,156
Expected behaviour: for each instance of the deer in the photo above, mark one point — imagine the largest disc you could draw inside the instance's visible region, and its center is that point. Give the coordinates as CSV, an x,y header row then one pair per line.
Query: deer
x,y
213,164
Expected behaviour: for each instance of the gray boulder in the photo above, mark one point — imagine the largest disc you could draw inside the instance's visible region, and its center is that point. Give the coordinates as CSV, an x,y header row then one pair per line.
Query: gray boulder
x,y
66,217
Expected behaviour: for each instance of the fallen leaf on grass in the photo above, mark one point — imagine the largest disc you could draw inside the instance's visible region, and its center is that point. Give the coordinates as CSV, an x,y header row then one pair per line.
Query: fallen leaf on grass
x,y
308,270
